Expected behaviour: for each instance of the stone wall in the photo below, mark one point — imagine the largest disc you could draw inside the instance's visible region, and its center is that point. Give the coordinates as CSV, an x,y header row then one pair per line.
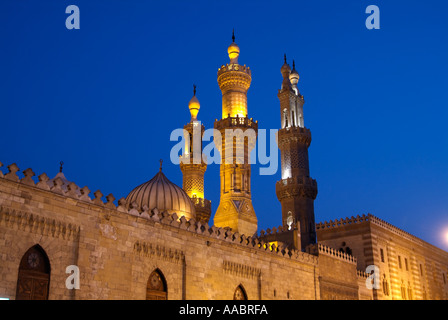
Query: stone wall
x,y
116,249
409,267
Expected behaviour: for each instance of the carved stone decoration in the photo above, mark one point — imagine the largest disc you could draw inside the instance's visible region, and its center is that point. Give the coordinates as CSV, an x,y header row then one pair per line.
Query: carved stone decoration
x,y
39,225
43,182
157,251
241,270
28,179
108,231
11,175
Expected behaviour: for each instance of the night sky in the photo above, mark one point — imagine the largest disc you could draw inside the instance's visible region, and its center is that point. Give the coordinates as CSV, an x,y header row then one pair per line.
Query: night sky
x,y
105,98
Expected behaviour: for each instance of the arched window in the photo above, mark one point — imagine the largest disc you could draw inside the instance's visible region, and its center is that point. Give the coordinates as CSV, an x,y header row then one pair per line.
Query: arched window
x,y
156,288
403,291
285,117
385,286
240,293
409,291
34,275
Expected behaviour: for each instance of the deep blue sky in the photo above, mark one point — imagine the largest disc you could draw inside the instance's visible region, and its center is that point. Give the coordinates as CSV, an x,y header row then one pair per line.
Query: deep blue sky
x,y
105,98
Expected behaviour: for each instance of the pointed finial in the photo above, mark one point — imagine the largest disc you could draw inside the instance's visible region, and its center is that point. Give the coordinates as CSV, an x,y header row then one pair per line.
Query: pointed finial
x,y
61,164
194,89
284,57
293,65
160,165
233,35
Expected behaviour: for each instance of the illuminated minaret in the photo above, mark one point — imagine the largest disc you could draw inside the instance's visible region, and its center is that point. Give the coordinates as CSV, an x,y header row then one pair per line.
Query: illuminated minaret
x,y
296,190
235,209
192,165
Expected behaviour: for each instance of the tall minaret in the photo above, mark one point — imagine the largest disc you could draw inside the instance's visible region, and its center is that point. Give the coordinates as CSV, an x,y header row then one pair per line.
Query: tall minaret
x,y
235,209
192,165
296,190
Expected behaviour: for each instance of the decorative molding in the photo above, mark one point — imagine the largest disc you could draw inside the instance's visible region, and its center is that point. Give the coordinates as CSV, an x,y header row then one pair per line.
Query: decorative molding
x,y
33,223
147,249
241,270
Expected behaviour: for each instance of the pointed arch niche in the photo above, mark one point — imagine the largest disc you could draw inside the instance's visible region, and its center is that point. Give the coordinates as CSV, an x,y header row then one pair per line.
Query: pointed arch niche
x,y
240,293
33,281
156,288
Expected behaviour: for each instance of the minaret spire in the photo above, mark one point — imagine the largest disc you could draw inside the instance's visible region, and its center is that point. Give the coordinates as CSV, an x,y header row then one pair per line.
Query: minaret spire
x,y
192,165
235,210
233,35
296,190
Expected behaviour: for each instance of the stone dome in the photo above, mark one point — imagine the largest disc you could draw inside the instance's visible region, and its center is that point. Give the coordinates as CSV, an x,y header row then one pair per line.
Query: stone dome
x,y
161,193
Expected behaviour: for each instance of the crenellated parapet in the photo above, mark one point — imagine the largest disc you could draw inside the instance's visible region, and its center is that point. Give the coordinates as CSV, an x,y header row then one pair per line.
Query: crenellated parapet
x,y
343,222
57,186
368,218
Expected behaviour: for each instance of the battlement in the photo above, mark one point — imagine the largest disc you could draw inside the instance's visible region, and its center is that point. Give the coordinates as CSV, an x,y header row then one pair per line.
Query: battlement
x,y
132,209
273,231
369,218
342,222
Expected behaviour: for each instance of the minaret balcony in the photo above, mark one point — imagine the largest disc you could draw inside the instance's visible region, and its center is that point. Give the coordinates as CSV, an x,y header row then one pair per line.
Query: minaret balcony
x,y
236,122
296,186
201,203
234,67
302,135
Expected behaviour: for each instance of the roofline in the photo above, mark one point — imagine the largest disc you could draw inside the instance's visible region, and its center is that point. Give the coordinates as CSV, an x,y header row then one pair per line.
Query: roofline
x,y
378,222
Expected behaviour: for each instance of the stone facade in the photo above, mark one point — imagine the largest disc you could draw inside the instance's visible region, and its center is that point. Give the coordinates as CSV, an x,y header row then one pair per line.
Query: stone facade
x,y
116,250
409,267
140,247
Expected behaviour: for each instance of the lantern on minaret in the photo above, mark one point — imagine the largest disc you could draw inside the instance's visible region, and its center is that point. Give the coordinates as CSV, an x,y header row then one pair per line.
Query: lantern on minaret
x,y
192,164
237,138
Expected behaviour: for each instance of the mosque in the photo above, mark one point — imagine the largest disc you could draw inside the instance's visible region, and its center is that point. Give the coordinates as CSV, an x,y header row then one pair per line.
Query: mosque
x,y
59,241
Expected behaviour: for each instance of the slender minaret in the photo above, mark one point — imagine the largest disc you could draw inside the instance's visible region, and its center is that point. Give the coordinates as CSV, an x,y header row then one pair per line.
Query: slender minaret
x,y
238,137
192,165
296,190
